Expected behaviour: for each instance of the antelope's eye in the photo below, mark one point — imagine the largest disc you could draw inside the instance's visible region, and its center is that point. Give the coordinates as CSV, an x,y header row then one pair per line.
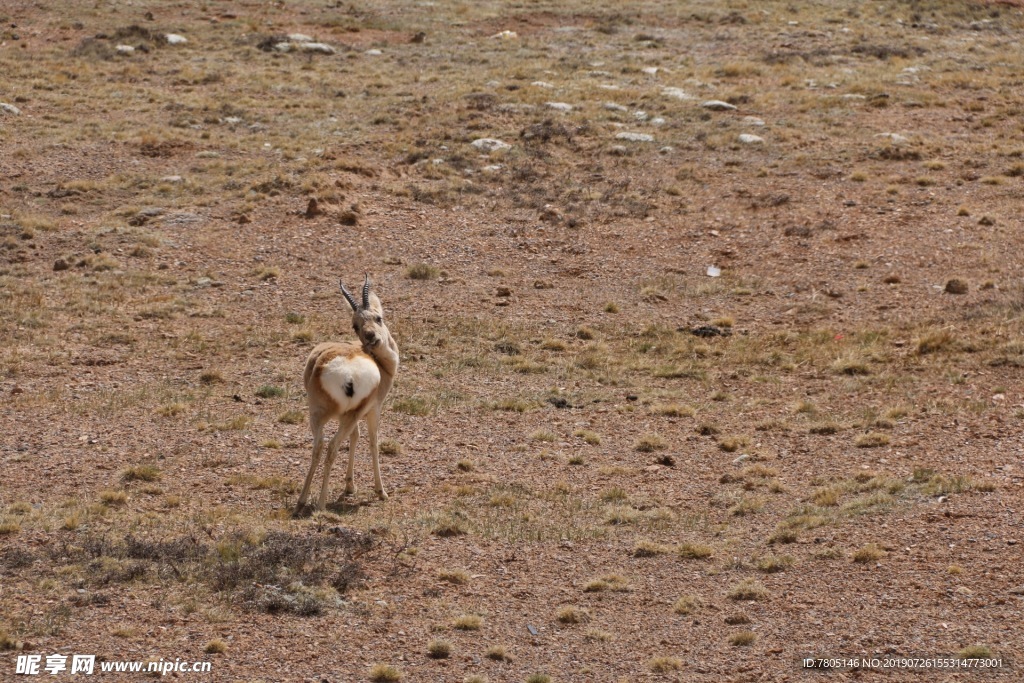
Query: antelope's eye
x,y
379,319
355,328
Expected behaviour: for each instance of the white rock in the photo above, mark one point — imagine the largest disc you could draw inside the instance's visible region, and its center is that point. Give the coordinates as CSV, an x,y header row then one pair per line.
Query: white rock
x,y
895,138
657,121
650,70
667,149
232,120
612,106
320,48
558,106
753,121
493,168
172,179
714,271
677,93
9,109
854,96
373,53
283,47
608,86
542,84
718,105
640,115
505,35
634,137
748,139
175,39
300,38
125,49
490,145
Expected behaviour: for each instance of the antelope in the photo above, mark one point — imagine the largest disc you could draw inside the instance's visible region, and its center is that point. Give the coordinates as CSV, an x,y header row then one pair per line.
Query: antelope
x,y
349,381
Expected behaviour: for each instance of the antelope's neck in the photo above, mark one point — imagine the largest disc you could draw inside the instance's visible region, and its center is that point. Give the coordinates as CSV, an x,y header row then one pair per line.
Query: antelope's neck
x,y
386,356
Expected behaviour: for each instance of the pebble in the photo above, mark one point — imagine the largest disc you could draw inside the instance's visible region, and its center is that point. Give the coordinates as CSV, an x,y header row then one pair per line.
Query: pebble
x,y
558,106
612,106
748,139
634,137
753,121
718,105
667,149
373,53
505,35
677,93
650,70
125,49
172,179
9,109
895,138
300,38
542,84
640,115
490,144
175,39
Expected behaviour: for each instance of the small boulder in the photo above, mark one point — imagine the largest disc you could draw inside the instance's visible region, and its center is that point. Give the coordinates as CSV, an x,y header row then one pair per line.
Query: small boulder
x,y
175,39
956,286
718,105
9,109
748,139
634,137
490,145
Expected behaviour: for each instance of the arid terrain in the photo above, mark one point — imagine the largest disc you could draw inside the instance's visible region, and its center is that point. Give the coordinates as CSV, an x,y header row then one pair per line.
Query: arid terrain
x,y
711,318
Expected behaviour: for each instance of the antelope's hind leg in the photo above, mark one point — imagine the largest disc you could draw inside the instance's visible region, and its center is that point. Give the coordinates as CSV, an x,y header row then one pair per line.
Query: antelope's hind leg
x,y
345,427
318,447
350,484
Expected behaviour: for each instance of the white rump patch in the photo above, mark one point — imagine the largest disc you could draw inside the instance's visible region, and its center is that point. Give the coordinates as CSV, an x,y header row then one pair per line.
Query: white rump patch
x,y
361,372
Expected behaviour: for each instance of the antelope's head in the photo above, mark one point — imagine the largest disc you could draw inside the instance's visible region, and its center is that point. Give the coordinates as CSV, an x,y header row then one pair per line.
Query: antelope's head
x,y
367,317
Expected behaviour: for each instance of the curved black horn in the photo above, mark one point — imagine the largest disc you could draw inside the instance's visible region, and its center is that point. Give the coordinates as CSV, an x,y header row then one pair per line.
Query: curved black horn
x,y
366,291
348,297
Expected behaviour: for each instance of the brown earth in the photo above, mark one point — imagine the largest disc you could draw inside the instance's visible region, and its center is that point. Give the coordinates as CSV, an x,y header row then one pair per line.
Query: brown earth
x,y
846,445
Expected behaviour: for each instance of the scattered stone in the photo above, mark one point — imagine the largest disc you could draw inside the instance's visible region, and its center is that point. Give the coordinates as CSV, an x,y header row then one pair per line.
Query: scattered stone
x,y
753,121
418,38
892,280
551,214
9,109
666,460
640,115
708,331
854,96
558,402
956,286
718,105
373,53
504,291
676,93
490,145
986,220
714,271
667,149
203,282
634,137
618,150
61,264
125,50
300,38
657,121
650,70
317,48
542,284
349,218
612,106
894,138
559,106
143,216
313,208
505,35
748,139
542,84
172,179
175,39
243,219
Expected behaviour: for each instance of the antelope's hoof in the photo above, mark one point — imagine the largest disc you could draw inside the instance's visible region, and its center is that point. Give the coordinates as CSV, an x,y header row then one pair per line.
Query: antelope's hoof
x,y
301,510
350,488
382,494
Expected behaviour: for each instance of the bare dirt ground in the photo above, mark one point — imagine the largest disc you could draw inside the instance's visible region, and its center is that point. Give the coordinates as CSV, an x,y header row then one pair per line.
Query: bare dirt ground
x,y
582,489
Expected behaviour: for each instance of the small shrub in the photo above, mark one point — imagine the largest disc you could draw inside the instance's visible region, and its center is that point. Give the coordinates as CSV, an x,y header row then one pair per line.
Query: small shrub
x,y
439,649
291,417
687,604
663,665
498,653
743,638
215,647
748,589
975,652
649,549
422,271
457,577
695,551
468,622
871,440
572,615
141,473
650,443
269,391
383,673
869,553
113,498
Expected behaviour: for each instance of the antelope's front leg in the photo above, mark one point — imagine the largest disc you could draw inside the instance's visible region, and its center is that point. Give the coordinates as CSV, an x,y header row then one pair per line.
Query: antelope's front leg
x,y
372,422
350,484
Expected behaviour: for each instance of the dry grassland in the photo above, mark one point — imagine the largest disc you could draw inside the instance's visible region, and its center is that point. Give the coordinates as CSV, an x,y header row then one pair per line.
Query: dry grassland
x,y
604,464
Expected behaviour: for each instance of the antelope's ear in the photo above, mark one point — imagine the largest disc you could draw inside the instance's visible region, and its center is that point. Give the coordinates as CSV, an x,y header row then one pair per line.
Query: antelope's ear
x,y
375,305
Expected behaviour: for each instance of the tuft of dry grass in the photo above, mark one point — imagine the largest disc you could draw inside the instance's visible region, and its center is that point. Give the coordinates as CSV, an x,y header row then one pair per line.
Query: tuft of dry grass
x,y
384,673
468,622
869,553
662,665
687,604
748,589
742,638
